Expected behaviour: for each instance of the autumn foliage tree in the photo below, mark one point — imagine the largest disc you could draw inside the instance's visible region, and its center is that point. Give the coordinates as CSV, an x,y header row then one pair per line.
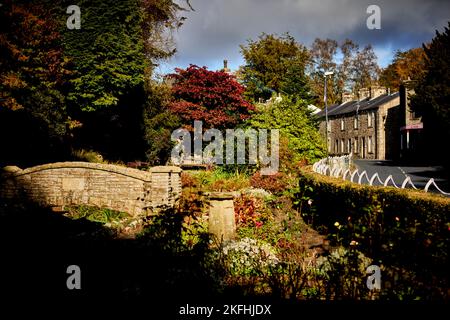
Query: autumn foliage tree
x,y
214,97
355,69
32,64
406,64
33,114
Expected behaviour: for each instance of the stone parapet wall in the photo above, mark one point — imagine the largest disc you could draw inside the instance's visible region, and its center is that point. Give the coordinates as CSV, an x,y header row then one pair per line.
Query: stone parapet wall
x,y
102,185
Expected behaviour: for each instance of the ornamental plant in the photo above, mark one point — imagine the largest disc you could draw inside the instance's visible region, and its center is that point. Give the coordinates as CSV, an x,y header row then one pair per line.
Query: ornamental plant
x,y
249,257
214,97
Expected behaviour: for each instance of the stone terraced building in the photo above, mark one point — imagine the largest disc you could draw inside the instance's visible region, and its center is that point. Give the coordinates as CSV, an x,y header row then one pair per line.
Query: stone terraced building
x,y
377,125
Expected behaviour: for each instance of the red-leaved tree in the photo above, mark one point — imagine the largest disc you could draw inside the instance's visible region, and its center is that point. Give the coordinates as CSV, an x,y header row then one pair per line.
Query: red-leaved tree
x,y
214,97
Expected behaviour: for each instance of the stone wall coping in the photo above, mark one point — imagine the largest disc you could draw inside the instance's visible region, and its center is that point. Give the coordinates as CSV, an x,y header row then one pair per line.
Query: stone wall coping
x,y
165,169
11,171
221,195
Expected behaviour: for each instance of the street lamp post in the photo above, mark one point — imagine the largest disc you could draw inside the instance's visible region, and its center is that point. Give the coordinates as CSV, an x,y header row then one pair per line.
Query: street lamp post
x,y
328,73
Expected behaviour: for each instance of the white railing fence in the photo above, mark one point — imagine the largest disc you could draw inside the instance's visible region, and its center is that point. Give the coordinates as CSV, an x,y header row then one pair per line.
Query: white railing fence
x,y
341,167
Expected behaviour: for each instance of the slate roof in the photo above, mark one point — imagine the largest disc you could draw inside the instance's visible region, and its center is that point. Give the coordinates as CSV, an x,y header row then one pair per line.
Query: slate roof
x,y
351,106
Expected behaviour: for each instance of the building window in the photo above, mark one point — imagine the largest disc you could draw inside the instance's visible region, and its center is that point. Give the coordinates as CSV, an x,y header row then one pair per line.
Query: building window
x,y
355,122
342,125
363,148
349,146
370,117
355,147
336,146
342,146
369,144
413,115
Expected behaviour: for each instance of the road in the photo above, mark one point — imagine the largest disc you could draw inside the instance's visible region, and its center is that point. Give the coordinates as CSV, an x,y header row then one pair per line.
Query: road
x,y
419,175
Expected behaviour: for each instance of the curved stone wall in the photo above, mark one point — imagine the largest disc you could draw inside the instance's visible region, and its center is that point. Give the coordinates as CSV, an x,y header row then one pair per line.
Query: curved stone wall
x,y
102,185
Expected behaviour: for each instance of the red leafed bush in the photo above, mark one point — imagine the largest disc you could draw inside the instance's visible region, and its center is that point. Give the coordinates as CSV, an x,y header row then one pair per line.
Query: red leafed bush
x,y
248,211
188,181
214,97
274,183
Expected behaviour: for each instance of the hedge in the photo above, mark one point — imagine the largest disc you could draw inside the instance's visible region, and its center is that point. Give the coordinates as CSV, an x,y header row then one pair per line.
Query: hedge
x,y
403,230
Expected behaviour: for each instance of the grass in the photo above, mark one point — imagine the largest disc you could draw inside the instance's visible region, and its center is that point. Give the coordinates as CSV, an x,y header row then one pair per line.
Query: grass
x,y
95,214
220,180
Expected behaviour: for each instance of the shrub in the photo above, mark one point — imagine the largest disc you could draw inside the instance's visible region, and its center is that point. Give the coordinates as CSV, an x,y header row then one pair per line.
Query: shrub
x,y
188,181
295,124
249,257
398,228
87,155
274,183
95,214
248,211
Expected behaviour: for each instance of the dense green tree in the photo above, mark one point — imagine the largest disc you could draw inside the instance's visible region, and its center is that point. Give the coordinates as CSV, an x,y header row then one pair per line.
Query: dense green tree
x,y
83,87
432,99
159,122
274,64
295,123
107,53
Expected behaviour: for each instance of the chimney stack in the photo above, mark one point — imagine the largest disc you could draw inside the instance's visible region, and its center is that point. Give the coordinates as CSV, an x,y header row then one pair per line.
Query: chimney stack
x,y
363,93
225,66
347,96
376,91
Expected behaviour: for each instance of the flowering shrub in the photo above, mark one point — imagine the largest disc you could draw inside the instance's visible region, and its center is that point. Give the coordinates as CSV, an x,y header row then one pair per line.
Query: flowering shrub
x,y
248,211
249,257
274,183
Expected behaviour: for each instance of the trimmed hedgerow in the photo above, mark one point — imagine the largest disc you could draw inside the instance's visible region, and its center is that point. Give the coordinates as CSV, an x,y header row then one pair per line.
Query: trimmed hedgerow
x,y
403,230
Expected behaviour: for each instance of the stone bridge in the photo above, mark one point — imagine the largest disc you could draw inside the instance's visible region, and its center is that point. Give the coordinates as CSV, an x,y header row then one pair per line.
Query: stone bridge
x,y
102,185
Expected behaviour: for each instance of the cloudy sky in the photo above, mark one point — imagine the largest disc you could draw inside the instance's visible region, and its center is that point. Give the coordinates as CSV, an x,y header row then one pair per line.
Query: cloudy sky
x,y
214,31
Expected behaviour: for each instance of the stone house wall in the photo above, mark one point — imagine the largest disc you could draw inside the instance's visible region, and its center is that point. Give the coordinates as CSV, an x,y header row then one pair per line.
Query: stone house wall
x,y
383,134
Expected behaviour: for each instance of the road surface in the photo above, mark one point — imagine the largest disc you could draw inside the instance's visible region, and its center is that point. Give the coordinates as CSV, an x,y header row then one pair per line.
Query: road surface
x,y
419,175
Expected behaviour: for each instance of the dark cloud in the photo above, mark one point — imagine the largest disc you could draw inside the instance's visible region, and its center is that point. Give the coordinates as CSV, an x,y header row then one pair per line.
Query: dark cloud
x,y
216,28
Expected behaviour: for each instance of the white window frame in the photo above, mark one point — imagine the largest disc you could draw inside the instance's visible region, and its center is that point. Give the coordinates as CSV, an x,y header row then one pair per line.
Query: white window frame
x,y
342,124
355,122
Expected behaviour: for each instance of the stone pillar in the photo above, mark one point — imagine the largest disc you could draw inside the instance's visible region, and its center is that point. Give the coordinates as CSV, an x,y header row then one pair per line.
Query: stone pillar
x,y
165,185
221,216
